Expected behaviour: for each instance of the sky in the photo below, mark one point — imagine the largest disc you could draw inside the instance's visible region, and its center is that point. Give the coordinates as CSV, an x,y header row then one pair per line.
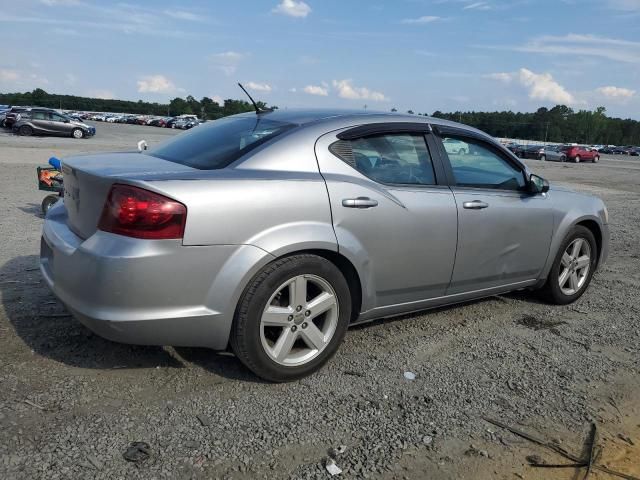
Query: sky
x,y
423,55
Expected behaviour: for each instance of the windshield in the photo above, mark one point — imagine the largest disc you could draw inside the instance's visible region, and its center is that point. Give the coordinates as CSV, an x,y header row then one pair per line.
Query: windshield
x,y
216,144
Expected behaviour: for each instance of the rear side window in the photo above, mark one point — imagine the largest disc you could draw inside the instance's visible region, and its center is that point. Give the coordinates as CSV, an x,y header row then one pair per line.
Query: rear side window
x,y
217,144
395,158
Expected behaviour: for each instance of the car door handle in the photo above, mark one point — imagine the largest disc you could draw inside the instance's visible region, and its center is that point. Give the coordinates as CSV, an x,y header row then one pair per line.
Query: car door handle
x,y
360,202
475,205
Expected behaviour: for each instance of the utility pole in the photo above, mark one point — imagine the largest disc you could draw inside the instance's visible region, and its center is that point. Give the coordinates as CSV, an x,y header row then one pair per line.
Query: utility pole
x,y
546,132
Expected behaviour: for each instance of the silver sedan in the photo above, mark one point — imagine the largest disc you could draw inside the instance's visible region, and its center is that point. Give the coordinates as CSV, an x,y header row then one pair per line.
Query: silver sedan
x,y
274,232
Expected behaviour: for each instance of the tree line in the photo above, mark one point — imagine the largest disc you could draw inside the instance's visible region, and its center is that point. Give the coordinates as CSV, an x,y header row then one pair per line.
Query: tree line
x,y
559,124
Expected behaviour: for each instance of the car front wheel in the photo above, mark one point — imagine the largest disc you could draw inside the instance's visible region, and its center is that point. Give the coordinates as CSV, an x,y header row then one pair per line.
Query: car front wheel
x,y
77,133
291,318
573,267
577,159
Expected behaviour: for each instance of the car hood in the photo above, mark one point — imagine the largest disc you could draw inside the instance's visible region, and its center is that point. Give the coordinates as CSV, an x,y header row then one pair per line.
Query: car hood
x,y
76,123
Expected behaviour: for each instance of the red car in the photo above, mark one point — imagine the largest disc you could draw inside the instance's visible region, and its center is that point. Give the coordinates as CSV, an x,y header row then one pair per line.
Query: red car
x,y
578,154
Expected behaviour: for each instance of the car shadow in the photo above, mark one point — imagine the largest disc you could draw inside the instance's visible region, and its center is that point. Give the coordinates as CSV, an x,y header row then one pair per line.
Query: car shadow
x,y
32,208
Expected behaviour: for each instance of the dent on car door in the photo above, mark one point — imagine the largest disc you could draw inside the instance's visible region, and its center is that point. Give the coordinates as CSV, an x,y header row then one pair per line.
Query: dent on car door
x,y
504,232
390,217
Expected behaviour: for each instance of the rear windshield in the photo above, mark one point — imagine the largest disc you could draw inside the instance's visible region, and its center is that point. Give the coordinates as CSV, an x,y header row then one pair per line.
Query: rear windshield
x,y
216,144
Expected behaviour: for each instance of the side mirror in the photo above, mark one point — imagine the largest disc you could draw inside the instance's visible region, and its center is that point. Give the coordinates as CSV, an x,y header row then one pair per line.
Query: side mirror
x,y
538,184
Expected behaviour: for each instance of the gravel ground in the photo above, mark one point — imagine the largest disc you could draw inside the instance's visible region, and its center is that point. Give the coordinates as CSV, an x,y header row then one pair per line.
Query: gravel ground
x,y
71,403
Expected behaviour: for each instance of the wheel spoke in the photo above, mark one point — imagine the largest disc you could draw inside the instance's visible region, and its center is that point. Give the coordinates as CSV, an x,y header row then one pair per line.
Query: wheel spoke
x,y
298,291
573,281
564,276
313,336
321,304
276,316
283,346
566,259
583,261
577,246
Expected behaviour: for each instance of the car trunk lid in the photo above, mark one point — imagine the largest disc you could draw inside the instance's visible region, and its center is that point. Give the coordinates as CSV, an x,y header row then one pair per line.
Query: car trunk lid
x,y
88,179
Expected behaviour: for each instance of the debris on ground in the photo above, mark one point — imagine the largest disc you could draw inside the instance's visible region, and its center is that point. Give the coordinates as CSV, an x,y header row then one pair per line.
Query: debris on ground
x,y
204,420
332,468
137,452
409,375
590,463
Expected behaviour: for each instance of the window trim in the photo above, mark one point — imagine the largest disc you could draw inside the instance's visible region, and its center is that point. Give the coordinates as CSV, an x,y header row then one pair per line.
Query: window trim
x,y
399,128
476,138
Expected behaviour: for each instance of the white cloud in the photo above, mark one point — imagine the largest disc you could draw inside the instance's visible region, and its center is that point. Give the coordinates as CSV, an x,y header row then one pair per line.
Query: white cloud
x,y
217,98
627,5
293,8
543,87
348,91
421,20
316,90
293,89
184,15
616,92
227,61
157,84
478,6
259,87
573,44
101,93
61,3
7,75
500,76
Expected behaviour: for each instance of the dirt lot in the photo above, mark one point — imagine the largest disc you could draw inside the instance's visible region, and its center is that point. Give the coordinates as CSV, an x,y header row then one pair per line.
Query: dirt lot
x,y
71,402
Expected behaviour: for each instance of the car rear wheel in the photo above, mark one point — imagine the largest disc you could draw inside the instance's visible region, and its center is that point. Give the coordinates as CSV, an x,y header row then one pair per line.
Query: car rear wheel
x,y
48,202
572,268
595,159
291,318
77,133
543,158
25,131
577,159
563,158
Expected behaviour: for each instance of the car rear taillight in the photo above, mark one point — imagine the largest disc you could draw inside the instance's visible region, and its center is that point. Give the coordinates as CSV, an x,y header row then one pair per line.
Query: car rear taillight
x,y
136,212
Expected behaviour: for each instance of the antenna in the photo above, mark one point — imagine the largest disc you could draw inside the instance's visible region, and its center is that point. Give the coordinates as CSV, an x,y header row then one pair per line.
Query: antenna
x,y
255,105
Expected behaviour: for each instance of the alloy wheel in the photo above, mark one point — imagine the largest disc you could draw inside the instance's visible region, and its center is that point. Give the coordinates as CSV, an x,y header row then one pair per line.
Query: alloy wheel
x,y
299,320
574,266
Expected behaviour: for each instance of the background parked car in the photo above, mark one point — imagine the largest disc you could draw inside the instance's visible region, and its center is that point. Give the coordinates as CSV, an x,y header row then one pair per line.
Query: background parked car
x,y
12,115
552,153
43,121
456,147
577,154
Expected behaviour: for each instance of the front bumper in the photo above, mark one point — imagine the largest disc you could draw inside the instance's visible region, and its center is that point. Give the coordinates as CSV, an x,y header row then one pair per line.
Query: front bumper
x,y
146,292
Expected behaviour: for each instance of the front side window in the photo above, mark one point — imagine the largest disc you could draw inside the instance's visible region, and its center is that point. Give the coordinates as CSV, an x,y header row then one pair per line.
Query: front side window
x,y
394,158
57,118
216,144
478,165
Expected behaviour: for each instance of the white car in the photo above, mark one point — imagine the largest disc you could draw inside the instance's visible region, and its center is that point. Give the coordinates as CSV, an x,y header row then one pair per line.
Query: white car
x,y
454,146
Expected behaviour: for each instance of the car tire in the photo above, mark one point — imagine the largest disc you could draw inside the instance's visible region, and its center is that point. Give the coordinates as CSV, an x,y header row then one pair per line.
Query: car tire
x,y
77,133
577,159
25,131
543,158
277,345
569,292
563,159
461,152
595,159
48,202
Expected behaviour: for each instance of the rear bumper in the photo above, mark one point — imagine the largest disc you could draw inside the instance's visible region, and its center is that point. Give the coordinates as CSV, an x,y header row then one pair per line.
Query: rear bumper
x,y
146,292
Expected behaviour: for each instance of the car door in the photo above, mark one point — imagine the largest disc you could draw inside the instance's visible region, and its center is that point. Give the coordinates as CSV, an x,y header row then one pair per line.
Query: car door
x,y
392,215
504,232
41,121
60,125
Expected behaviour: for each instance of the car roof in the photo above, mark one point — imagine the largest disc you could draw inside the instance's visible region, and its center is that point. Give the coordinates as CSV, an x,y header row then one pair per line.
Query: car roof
x,y
338,117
